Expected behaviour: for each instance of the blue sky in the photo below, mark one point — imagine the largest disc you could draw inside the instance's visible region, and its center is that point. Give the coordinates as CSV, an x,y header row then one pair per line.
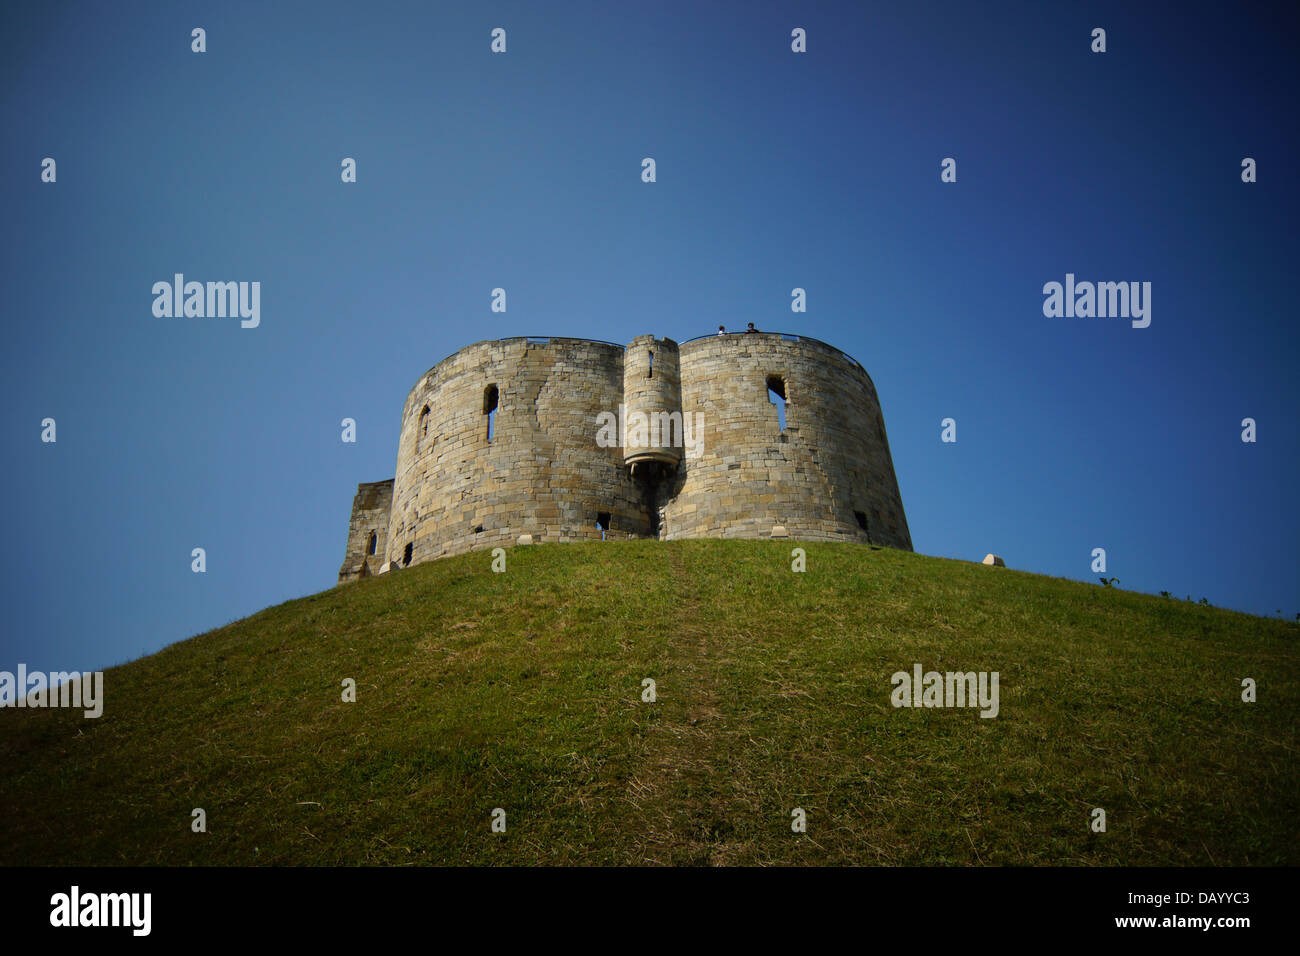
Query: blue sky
x,y
522,170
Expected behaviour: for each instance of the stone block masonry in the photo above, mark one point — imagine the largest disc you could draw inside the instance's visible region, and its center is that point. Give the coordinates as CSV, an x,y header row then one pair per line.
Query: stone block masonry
x,y
368,530
500,440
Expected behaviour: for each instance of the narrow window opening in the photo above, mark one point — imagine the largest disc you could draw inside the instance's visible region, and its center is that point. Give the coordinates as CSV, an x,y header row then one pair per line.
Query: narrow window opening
x,y
602,523
650,373
862,520
406,555
776,395
491,398
422,430
374,543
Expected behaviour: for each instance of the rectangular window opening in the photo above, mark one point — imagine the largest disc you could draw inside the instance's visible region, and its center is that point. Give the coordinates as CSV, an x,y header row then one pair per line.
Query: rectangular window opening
x,y
776,395
491,399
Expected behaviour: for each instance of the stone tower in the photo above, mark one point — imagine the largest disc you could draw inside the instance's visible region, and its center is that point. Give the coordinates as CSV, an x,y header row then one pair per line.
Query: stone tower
x,y
652,387
504,438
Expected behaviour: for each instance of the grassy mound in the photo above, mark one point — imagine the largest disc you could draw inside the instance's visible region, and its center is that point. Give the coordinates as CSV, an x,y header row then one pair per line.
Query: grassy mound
x,y
523,691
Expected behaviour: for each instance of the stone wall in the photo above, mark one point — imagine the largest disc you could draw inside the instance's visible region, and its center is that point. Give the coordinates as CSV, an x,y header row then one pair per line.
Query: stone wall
x,y
370,511
827,476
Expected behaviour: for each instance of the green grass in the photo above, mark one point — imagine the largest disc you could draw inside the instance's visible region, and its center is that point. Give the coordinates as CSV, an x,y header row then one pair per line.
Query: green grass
x,y
522,690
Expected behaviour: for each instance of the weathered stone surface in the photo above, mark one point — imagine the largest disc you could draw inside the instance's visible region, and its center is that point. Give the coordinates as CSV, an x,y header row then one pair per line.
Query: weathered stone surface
x,y
543,475
994,561
370,510
831,463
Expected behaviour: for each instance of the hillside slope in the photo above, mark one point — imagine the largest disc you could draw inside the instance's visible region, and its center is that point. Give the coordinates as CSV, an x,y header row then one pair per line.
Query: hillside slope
x,y
522,690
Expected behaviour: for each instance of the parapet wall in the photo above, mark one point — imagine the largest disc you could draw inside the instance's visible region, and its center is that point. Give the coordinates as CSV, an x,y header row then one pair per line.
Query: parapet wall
x,y
544,471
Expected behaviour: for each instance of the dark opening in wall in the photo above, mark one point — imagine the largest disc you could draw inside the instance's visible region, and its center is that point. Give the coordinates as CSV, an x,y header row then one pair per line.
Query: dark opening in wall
x,y
478,529
776,395
862,520
650,370
422,429
602,523
648,481
406,555
374,543
491,398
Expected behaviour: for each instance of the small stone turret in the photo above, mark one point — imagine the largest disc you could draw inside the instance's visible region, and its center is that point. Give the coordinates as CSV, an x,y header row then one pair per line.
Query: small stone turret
x,y
652,400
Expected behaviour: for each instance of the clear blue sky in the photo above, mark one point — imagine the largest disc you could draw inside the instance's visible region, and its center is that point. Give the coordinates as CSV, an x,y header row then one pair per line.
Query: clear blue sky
x,y
522,170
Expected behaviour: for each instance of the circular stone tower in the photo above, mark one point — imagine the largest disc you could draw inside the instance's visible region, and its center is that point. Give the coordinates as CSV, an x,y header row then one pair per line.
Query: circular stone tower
x,y
501,439
822,473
